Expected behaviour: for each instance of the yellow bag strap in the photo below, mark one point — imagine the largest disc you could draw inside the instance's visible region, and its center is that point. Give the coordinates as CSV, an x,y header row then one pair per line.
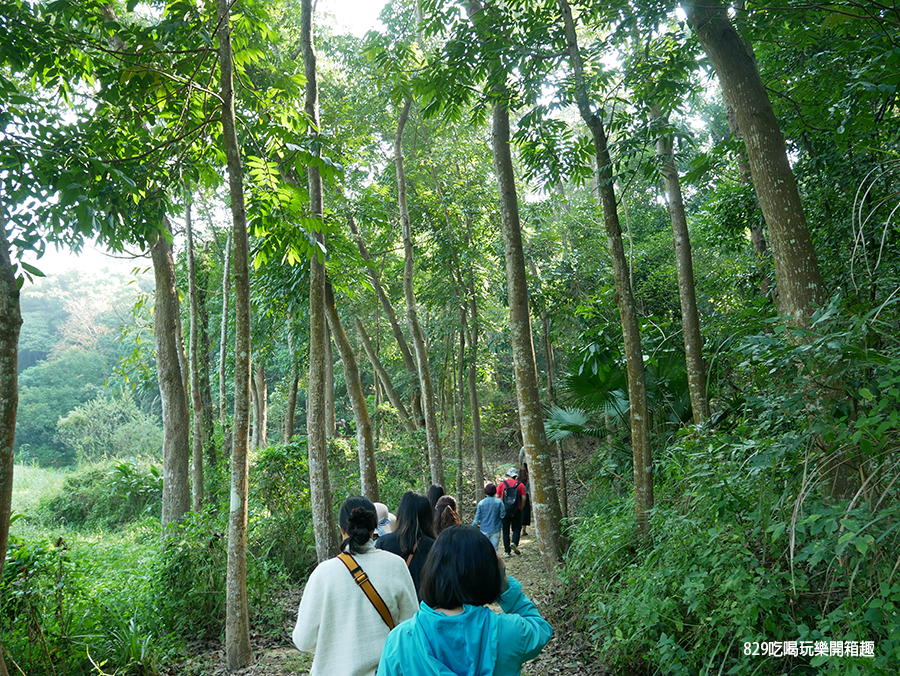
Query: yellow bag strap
x,y
360,577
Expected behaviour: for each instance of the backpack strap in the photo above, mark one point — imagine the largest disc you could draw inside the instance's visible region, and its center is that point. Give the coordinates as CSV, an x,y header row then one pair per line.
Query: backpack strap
x,y
360,577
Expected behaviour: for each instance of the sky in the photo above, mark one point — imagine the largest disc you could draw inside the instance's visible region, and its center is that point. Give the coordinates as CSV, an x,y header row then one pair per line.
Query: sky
x,y
357,16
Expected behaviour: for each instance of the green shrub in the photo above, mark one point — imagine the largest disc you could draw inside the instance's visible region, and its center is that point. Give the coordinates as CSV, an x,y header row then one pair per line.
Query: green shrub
x,y
187,581
105,496
40,620
109,426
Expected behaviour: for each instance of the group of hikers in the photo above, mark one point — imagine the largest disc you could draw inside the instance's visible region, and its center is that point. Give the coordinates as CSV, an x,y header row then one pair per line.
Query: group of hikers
x,y
408,594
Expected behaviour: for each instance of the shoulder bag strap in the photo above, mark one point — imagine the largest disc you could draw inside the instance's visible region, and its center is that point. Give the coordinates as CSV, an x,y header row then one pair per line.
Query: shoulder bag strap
x,y
412,554
360,577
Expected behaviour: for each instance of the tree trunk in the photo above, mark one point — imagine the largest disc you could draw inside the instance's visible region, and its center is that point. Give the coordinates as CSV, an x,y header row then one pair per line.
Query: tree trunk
x,y
690,318
403,346
383,376
223,345
329,387
460,399
545,501
798,280
563,483
176,426
319,481
757,234
290,414
262,404
238,653
637,388
426,384
198,440
365,446
473,380
209,424
10,323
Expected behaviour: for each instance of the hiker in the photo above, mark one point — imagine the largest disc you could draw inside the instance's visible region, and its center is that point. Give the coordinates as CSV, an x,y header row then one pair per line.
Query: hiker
x,y
526,506
446,513
487,515
413,536
512,494
345,622
386,520
453,632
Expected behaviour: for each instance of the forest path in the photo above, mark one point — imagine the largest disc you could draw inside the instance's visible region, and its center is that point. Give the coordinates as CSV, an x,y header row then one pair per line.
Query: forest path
x,y
566,653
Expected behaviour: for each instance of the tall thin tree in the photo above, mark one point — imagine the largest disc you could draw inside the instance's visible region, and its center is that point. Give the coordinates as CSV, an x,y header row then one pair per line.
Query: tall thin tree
x,y
319,480
238,653
545,499
429,404
198,431
797,276
176,427
365,445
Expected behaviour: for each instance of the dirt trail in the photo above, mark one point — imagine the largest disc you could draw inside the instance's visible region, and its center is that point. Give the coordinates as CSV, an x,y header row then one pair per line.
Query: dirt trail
x,y
566,653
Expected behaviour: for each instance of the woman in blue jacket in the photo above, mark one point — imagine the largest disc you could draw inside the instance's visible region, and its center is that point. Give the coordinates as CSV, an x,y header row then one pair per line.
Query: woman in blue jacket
x,y
453,632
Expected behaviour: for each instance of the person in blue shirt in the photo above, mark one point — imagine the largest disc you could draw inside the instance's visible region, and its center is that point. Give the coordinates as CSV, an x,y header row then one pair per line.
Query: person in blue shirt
x,y
454,633
487,515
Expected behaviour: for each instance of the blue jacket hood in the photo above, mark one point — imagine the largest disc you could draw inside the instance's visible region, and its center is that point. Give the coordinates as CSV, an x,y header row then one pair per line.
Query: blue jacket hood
x,y
467,641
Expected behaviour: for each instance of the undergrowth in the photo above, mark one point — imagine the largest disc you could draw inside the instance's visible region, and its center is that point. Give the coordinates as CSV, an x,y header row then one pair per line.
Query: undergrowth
x,y
780,528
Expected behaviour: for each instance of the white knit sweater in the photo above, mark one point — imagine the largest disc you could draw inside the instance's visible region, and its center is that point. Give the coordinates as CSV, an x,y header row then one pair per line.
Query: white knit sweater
x,y
338,623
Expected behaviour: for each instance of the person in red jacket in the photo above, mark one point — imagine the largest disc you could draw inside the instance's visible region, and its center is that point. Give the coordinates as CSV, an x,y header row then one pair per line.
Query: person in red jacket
x,y
512,492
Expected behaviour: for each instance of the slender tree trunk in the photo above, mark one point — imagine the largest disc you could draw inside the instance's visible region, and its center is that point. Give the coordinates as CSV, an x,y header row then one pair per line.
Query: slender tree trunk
x,y
290,414
426,384
198,440
254,413
397,330
798,280
209,424
637,388
460,399
223,346
473,380
690,318
319,480
238,653
545,501
10,323
262,404
531,420
383,376
329,387
561,448
757,235
176,426
365,446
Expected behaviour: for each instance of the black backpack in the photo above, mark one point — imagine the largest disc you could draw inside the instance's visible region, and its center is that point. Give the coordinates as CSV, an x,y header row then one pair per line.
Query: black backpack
x,y
511,497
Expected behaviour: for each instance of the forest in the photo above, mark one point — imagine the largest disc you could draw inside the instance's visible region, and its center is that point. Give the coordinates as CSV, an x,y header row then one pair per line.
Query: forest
x,y
649,248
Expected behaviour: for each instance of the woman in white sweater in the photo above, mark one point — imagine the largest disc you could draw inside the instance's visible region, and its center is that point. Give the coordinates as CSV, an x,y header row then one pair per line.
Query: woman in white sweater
x,y
336,620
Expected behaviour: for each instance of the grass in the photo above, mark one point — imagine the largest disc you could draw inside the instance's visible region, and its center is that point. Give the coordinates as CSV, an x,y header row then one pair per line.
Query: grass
x,y
31,484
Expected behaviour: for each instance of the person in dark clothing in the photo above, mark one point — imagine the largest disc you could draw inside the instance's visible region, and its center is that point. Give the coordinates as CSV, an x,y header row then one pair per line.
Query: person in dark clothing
x,y
413,534
526,507
511,513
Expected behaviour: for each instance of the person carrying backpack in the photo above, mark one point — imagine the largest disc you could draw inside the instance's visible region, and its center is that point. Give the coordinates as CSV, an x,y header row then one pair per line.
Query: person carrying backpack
x,y
512,493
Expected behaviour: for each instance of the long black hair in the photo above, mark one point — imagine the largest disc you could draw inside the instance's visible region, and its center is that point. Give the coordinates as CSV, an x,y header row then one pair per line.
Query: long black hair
x,y
462,568
413,521
358,518
434,494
